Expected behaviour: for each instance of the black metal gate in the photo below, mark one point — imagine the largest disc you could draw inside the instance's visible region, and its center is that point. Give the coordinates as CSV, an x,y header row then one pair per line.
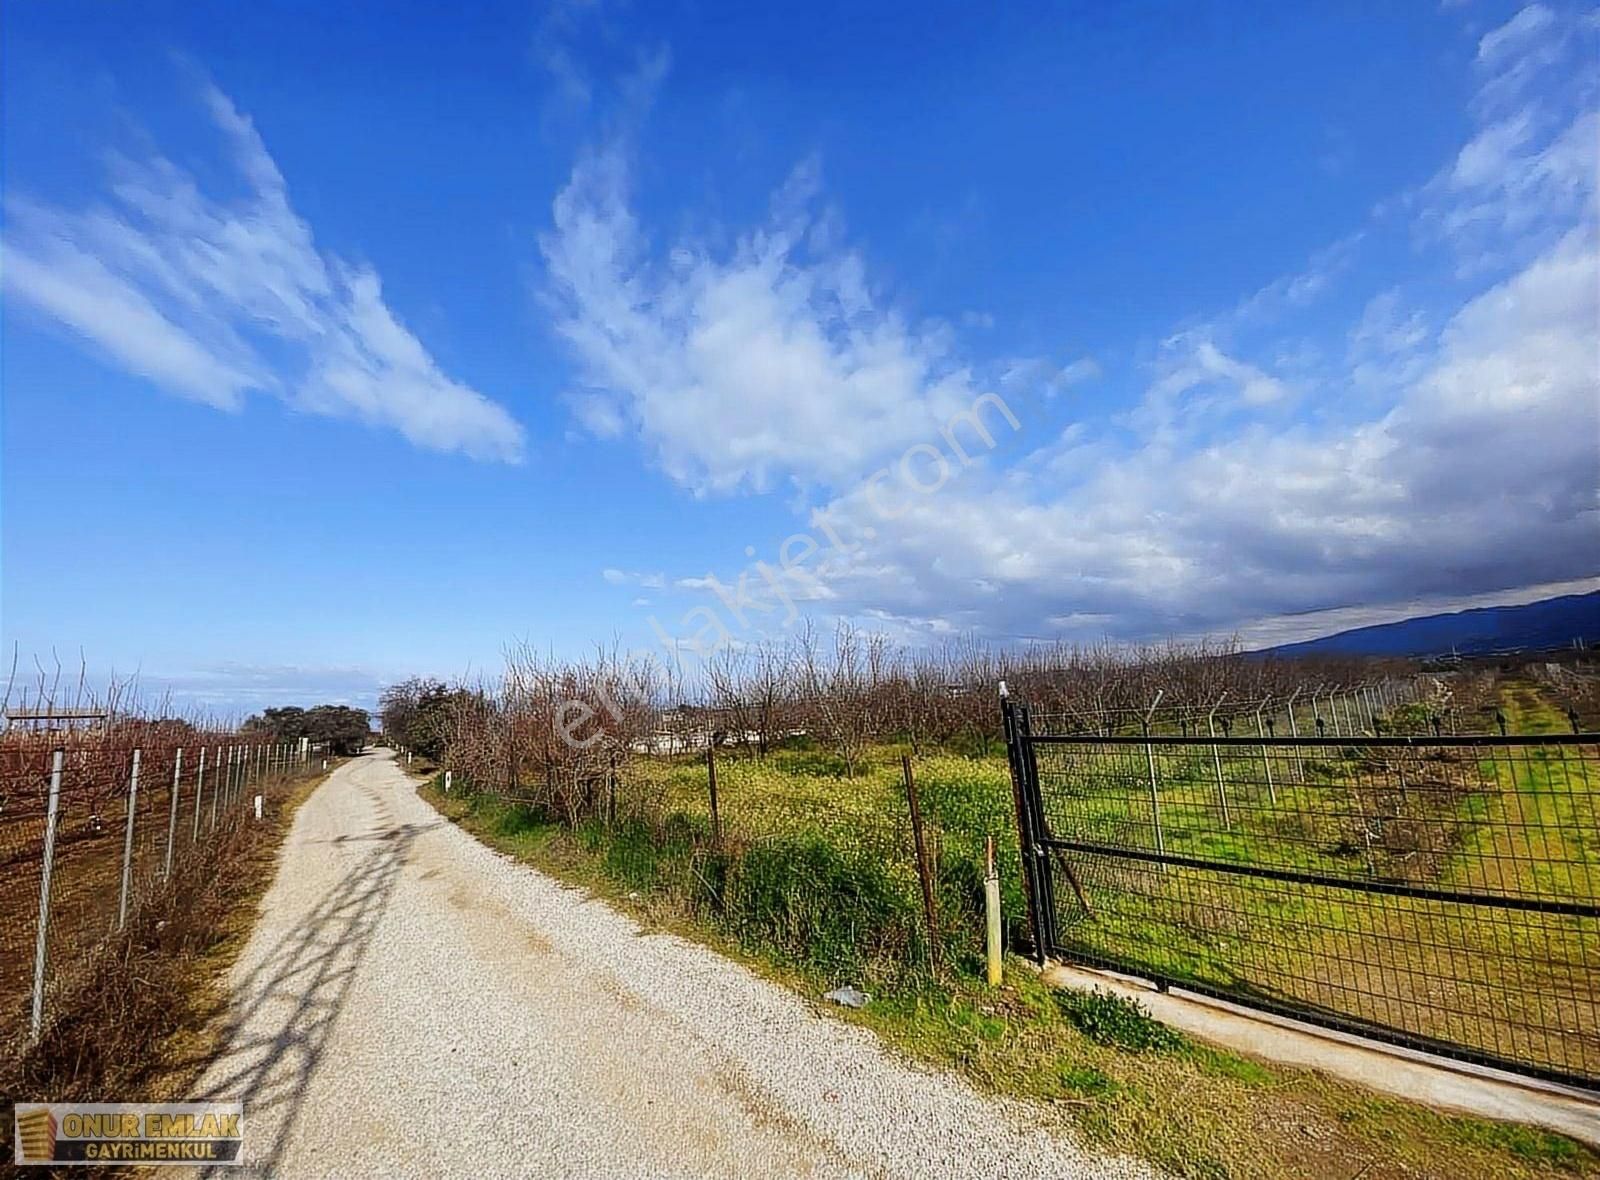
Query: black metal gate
x,y
1441,893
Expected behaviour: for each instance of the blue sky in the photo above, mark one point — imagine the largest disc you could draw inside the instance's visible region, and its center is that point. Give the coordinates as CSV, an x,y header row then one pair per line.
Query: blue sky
x,y
338,348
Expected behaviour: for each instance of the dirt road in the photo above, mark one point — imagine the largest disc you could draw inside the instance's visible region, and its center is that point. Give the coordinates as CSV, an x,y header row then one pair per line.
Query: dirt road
x,y
412,1003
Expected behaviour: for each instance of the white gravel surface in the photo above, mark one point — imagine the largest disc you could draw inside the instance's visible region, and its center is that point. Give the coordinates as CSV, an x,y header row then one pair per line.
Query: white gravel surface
x,y
415,1004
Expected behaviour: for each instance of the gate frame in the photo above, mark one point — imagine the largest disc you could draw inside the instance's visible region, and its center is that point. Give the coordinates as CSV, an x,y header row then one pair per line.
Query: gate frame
x,y
1037,842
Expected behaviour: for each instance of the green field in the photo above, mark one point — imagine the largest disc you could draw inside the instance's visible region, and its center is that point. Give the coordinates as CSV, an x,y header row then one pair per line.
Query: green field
x,y
814,881
1513,984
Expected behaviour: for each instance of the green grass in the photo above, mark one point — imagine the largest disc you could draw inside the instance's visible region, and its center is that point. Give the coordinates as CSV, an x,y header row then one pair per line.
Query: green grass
x,y
813,885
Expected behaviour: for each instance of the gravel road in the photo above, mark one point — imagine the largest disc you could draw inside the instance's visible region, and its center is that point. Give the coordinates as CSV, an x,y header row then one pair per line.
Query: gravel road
x,y
414,1004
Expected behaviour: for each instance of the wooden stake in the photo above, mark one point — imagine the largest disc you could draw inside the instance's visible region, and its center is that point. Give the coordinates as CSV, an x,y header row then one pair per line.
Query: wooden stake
x,y
711,779
924,870
611,792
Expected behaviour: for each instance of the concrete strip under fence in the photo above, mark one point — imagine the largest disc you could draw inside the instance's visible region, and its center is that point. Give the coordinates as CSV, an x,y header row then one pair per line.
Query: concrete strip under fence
x,y
1405,1073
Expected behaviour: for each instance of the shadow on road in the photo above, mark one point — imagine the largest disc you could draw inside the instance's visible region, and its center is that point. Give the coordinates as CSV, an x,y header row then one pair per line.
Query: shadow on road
x,y
287,1006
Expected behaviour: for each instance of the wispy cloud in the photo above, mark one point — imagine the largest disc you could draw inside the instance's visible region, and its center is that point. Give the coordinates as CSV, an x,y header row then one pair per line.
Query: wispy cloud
x,y
1479,477
1398,453
214,299
740,369
1467,465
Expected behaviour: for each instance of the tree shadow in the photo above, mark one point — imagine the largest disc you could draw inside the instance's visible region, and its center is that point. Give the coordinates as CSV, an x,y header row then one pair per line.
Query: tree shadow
x,y
303,984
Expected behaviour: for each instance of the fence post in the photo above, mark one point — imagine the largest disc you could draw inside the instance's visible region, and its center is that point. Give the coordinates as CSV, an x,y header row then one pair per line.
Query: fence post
x,y
1030,884
1037,830
41,939
127,843
199,789
611,792
1216,761
172,817
711,782
1294,732
924,870
991,911
217,788
1266,755
1150,764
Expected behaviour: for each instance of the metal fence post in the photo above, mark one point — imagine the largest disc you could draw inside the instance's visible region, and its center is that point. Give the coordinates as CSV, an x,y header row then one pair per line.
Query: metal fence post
x,y
127,843
1030,887
1216,760
1150,764
1037,831
217,788
199,790
41,938
1266,756
1294,732
172,818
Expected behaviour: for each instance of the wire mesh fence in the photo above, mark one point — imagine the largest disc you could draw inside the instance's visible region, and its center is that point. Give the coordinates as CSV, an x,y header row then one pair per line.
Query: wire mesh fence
x,y
91,824
785,853
1435,891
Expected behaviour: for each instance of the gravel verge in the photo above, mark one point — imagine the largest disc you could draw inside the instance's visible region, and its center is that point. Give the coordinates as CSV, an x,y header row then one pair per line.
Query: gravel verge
x,y
413,1003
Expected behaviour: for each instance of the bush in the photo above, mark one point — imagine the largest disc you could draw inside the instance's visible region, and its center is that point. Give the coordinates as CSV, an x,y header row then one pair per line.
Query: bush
x,y
816,905
1109,1019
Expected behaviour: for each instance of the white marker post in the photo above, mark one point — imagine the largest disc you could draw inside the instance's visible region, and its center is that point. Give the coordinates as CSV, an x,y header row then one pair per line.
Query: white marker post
x,y
991,908
127,844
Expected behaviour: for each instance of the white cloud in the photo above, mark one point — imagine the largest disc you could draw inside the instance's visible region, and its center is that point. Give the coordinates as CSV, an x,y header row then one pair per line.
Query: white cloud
x,y
649,581
1529,169
1200,385
1430,463
1516,53
741,368
212,300
1483,476
1385,329
1026,374
1483,159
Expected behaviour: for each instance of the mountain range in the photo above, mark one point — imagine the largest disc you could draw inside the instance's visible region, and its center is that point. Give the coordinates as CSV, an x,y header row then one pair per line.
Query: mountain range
x,y
1534,626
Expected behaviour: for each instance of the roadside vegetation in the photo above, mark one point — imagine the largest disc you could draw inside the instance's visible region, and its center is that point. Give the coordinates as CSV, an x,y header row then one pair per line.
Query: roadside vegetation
x,y
807,872
144,1015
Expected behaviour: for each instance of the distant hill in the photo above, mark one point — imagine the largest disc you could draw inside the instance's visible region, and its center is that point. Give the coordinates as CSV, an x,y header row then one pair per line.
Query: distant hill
x,y
1534,626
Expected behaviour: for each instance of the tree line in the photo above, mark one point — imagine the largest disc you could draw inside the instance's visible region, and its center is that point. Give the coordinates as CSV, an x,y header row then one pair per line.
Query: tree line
x,y
342,729
548,722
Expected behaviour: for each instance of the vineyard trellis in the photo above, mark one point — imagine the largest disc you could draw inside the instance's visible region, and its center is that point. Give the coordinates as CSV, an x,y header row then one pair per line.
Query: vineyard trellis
x,y
92,822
